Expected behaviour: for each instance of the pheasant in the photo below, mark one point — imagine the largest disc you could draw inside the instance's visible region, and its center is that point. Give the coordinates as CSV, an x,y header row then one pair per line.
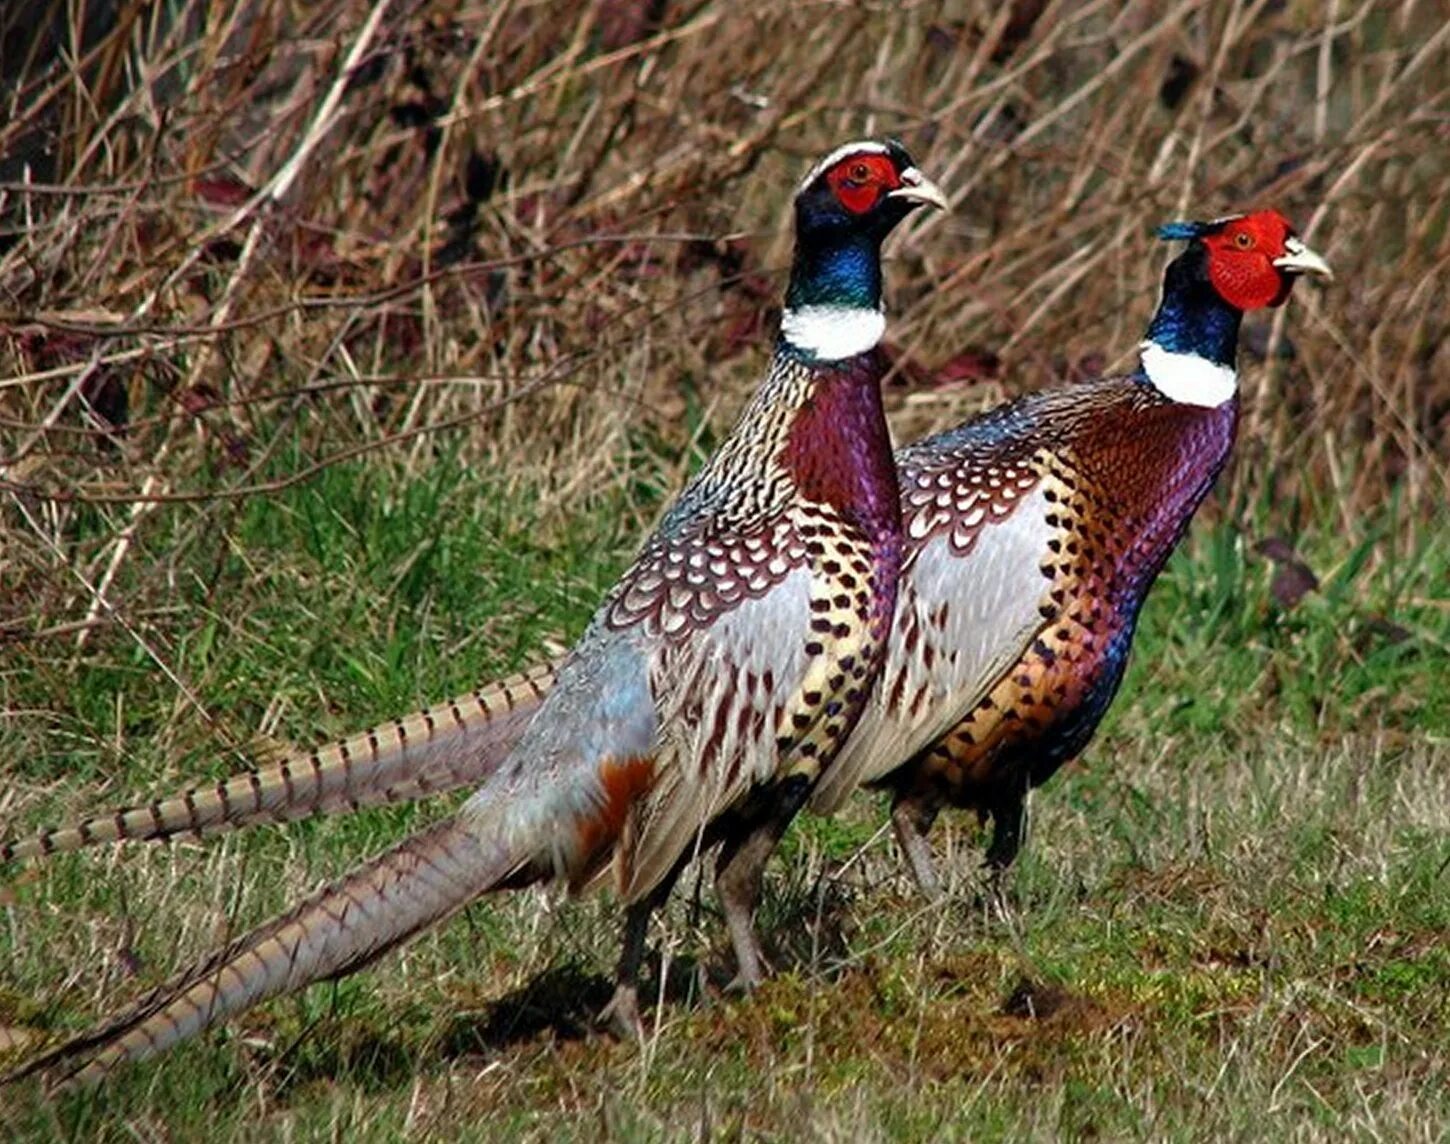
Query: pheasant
x,y
1034,533
985,695
718,677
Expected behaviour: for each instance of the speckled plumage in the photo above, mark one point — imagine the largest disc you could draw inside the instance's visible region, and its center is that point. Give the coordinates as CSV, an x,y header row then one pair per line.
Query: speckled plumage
x,y
752,622
1104,477
1032,535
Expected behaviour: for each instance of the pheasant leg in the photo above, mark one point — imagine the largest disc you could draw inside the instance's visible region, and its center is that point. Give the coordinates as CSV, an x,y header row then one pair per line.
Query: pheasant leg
x,y
740,870
912,815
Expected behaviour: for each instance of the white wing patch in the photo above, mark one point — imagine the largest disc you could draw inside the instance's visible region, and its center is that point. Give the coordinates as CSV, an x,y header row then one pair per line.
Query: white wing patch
x,y
961,621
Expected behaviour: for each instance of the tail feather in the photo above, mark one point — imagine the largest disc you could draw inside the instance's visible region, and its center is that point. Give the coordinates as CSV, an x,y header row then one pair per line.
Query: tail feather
x,y
439,749
339,929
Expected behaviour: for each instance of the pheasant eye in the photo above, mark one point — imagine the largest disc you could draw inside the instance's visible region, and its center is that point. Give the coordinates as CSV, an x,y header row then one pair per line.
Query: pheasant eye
x,y
1243,240
858,182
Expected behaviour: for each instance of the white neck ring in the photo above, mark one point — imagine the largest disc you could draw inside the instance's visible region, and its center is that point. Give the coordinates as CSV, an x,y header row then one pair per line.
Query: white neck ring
x,y
1189,378
832,333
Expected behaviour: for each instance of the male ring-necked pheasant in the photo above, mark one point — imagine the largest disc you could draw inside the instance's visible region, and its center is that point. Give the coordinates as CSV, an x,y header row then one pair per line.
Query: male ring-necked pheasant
x,y
1034,533
1076,494
719,676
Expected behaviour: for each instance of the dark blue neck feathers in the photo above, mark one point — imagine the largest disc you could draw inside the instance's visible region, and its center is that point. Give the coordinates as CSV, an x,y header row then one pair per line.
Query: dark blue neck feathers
x,y
1192,317
840,269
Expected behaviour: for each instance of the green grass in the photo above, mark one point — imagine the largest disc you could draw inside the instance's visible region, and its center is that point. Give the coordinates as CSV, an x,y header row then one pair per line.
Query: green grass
x,y
1231,919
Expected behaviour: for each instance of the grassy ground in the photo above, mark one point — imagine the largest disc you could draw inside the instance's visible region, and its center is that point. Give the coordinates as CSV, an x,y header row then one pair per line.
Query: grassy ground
x,y
1233,917
269,472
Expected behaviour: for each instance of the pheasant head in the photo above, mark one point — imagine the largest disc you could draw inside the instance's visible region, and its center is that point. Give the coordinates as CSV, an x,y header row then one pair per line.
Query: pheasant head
x,y
845,208
1232,265
1252,259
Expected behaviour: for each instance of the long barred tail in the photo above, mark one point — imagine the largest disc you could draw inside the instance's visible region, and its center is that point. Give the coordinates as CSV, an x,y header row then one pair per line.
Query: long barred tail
x,y
442,748
339,929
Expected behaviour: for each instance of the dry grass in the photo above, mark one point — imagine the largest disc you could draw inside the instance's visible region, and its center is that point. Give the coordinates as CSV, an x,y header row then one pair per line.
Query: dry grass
x,y
539,228
347,349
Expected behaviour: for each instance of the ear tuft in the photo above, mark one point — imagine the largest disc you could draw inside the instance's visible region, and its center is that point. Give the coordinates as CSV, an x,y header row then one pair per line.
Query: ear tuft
x,y
1186,230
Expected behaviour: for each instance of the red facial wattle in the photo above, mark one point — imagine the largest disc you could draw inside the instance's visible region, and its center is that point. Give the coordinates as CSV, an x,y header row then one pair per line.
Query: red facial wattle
x,y
1241,261
1248,281
859,181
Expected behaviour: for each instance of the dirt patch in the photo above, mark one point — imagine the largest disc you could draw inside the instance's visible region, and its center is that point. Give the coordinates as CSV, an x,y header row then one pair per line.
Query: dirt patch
x,y
944,1019
1037,1001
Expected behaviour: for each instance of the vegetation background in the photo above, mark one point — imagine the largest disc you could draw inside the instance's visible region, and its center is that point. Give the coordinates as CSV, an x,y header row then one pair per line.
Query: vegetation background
x,y
347,351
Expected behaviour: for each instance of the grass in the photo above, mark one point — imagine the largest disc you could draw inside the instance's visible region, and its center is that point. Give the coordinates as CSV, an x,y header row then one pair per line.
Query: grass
x,y
270,471
1231,919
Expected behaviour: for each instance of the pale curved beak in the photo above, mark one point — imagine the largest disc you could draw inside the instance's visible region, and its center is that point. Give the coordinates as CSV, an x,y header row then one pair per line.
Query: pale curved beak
x,y
917,188
1299,259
